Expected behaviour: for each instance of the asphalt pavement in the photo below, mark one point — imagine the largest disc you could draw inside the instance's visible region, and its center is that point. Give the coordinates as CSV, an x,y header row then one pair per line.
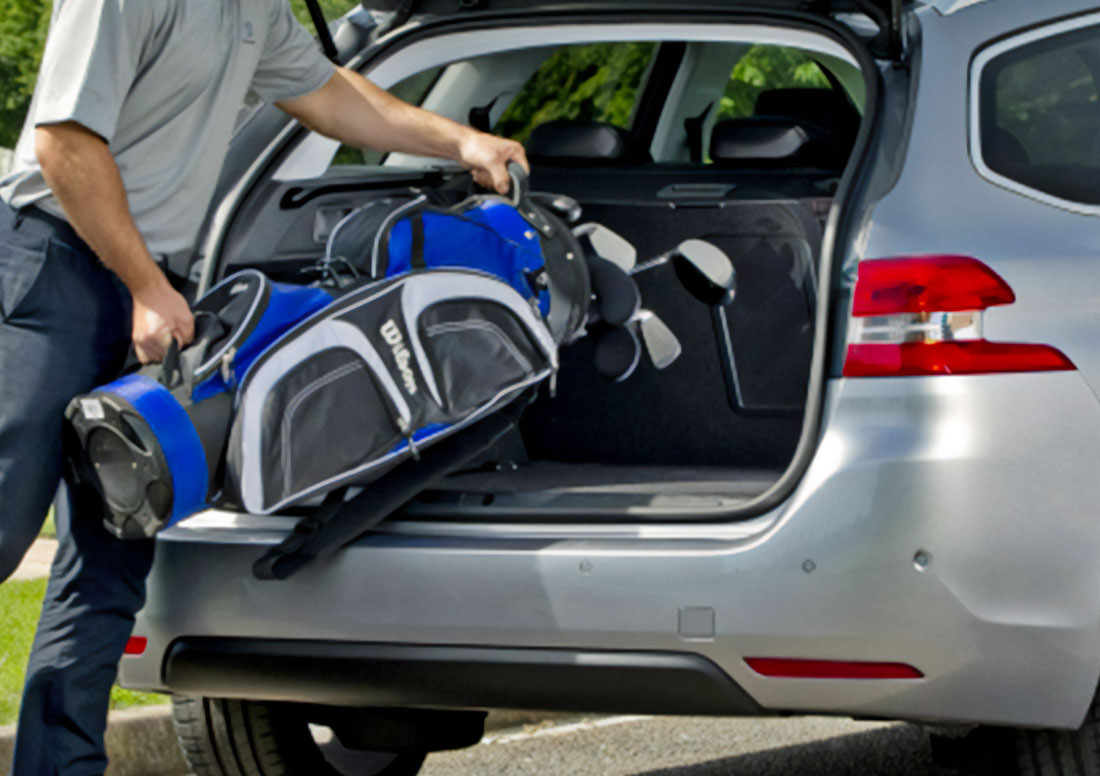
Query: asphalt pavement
x,y
698,746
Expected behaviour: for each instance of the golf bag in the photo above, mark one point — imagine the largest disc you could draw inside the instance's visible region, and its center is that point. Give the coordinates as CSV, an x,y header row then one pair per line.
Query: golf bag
x,y
287,395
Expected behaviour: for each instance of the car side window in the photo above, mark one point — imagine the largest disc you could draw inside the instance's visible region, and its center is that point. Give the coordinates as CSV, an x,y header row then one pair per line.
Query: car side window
x,y
1040,115
764,68
412,90
594,82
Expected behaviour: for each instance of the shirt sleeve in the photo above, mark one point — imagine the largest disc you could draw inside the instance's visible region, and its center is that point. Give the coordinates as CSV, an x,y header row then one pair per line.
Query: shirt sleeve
x,y
291,64
91,59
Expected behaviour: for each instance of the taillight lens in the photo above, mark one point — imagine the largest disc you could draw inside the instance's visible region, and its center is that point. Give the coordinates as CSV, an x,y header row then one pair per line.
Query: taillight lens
x,y
923,315
926,284
136,645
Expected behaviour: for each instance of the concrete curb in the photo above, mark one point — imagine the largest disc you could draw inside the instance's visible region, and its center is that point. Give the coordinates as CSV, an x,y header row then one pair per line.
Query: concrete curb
x,y
141,741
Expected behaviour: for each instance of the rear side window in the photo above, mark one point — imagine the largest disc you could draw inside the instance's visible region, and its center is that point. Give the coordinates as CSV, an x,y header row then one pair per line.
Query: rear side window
x,y
594,82
764,68
1039,117
411,90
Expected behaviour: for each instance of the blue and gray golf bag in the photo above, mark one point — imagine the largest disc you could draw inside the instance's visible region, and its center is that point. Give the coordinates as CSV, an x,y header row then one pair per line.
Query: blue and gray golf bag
x,y
289,395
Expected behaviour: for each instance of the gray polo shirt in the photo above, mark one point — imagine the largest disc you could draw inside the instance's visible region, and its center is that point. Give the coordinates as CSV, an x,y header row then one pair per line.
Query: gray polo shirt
x,y
162,81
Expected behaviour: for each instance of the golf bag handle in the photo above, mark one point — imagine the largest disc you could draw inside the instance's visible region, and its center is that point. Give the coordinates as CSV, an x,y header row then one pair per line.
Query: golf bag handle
x,y
521,184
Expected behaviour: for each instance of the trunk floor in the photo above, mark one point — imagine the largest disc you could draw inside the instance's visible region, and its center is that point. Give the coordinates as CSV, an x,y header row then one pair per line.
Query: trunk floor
x,y
648,479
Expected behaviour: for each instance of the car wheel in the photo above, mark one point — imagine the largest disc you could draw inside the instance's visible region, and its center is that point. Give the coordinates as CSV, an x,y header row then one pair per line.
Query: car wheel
x,y
1061,752
1003,751
221,737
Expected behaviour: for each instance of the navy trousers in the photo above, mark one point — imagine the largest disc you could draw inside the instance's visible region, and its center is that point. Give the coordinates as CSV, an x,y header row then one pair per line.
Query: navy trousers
x,y
64,329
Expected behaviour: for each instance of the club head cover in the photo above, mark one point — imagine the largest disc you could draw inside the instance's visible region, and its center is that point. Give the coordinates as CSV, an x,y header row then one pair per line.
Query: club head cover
x,y
617,295
618,352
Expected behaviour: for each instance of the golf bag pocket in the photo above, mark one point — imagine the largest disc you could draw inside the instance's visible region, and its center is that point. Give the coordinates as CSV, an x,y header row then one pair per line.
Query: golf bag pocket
x,y
152,442
384,372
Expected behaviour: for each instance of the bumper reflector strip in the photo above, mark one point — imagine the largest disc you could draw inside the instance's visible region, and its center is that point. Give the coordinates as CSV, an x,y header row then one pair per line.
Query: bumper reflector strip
x,y
793,668
136,645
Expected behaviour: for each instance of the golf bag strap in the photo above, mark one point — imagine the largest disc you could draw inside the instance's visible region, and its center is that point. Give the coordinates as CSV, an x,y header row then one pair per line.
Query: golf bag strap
x,y
416,257
337,523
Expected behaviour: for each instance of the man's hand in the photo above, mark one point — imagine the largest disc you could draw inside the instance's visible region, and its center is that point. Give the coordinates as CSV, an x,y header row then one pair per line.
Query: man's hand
x,y
351,109
487,156
80,170
160,315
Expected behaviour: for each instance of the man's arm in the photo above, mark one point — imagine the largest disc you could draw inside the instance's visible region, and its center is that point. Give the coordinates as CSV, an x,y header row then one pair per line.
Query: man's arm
x,y
82,174
351,109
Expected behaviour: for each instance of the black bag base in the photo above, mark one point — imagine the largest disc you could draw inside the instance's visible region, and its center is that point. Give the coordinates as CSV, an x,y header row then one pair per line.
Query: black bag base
x,y
113,449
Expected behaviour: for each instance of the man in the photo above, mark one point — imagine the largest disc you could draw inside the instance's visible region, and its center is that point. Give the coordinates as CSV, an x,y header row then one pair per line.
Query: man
x,y
128,129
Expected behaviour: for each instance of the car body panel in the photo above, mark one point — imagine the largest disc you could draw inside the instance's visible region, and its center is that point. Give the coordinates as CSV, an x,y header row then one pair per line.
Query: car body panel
x,y
904,466
1048,255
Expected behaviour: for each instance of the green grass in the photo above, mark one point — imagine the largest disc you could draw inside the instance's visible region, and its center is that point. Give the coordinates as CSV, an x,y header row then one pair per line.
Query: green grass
x,y
49,530
20,602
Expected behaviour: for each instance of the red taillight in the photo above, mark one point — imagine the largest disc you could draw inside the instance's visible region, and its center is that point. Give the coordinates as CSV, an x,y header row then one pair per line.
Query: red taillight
x,y
927,284
923,315
136,645
788,668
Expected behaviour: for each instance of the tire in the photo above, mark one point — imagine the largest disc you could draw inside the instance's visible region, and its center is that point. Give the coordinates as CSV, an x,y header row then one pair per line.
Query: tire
x,y
221,737
1061,752
1019,752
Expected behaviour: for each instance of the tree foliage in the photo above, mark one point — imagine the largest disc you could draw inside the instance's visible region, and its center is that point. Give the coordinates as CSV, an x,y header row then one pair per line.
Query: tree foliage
x,y
332,9
23,26
597,82
767,67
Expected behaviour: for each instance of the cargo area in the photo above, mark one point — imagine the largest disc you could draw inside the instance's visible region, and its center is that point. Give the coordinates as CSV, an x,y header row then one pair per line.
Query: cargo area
x,y
716,429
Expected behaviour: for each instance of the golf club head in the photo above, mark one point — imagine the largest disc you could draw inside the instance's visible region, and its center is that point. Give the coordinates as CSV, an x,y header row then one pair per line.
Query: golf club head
x,y
617,295
599,240
565,208
706,272
618,352
661,344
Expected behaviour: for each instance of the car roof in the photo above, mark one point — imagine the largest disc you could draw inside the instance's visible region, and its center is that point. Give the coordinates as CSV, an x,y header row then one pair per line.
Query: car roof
x,y
948,7
887,14
450,7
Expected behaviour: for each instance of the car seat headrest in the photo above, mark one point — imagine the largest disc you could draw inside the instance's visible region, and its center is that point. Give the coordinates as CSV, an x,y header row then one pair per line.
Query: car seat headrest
x,y
769,142
827,119
818,105
564,142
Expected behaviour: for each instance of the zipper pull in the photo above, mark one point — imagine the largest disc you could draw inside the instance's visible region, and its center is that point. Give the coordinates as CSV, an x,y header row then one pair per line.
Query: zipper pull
x,y
553,386
403,426
226,366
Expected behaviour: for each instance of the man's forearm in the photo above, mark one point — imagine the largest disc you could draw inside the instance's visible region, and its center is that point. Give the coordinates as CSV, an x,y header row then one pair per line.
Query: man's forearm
x,y
353,110
82,174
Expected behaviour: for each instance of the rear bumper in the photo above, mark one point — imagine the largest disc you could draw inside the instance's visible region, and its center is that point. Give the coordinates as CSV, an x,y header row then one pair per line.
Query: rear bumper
x,y
399,675
991,478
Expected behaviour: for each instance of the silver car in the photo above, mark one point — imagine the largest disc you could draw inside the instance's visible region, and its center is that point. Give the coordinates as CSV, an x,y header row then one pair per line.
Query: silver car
x,y
869,487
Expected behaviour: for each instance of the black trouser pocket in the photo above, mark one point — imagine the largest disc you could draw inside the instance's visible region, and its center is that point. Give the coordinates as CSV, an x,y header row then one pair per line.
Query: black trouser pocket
x,y
23,250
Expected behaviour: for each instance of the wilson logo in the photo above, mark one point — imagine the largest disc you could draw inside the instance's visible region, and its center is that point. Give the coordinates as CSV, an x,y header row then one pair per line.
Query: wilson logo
x,y
396,340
